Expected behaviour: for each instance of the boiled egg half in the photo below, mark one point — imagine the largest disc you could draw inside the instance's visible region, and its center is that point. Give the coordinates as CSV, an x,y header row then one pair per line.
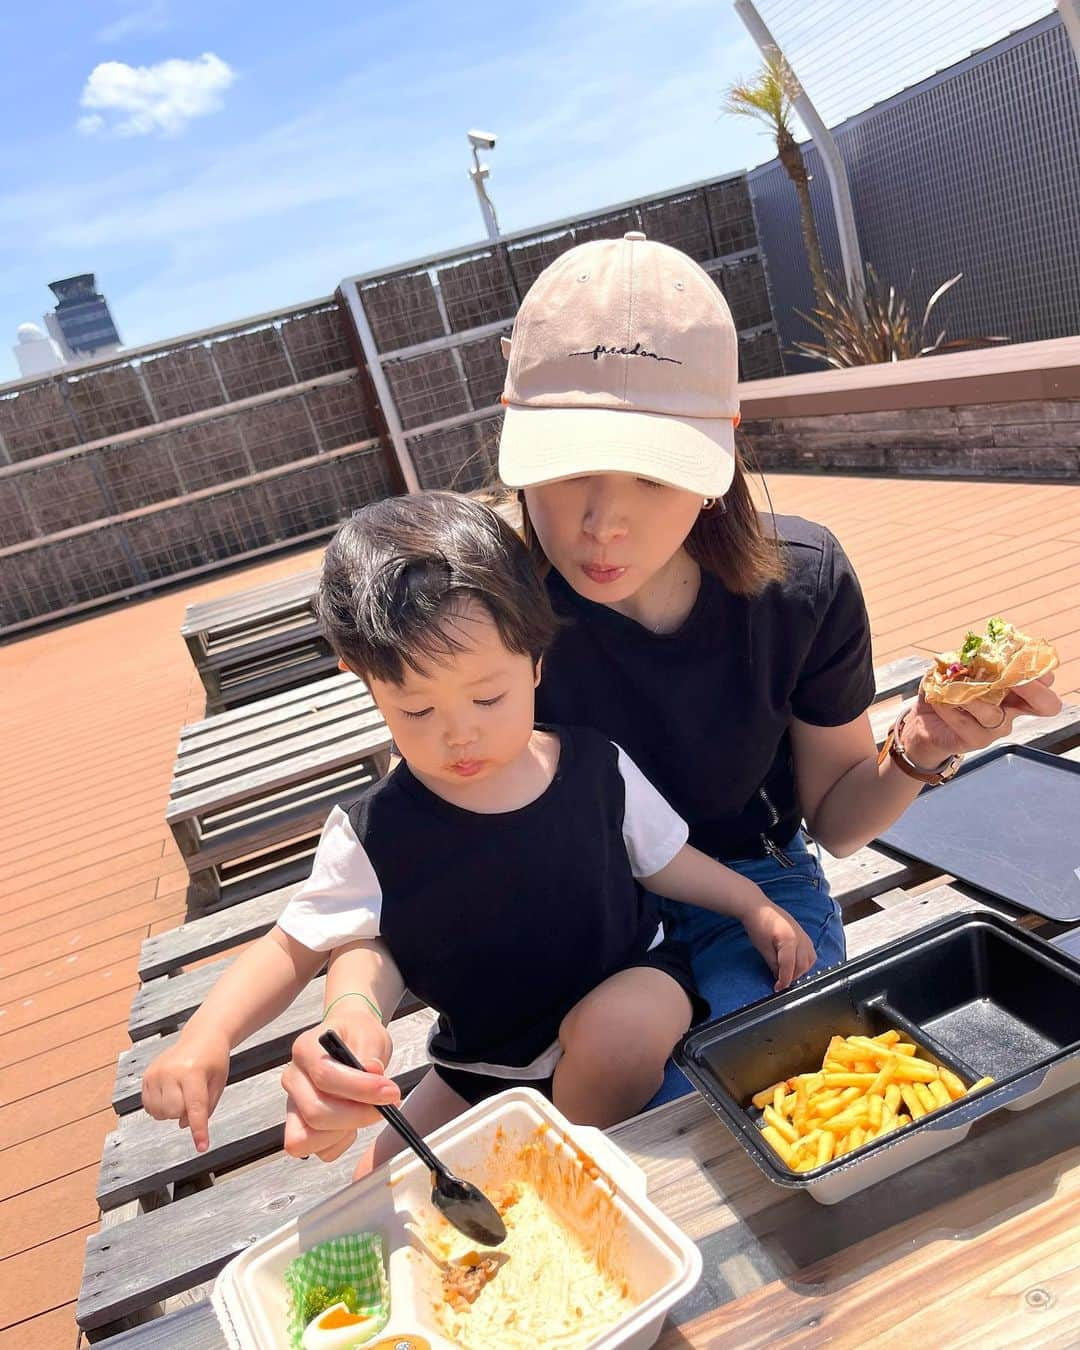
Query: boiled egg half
x,y
337,1329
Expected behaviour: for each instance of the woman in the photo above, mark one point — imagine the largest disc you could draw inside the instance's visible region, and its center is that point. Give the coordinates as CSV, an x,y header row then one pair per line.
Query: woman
x,y
729,655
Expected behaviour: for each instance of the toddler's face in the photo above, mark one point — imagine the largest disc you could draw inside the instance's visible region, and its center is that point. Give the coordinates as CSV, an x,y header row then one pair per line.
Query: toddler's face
x,y
468,716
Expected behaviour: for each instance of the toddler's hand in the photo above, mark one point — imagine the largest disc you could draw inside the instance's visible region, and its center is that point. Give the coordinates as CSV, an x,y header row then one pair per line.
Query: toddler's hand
x,y
787,950
328,1102
185,1083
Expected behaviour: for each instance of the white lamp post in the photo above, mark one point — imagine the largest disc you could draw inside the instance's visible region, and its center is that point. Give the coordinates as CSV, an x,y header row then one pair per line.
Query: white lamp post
x,y
483,140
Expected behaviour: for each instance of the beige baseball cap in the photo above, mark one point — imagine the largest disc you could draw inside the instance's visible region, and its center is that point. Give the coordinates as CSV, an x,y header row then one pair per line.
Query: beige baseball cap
x,y
623,359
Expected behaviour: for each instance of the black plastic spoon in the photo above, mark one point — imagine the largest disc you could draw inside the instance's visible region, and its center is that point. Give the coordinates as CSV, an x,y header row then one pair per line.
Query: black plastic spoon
x,y
460,1202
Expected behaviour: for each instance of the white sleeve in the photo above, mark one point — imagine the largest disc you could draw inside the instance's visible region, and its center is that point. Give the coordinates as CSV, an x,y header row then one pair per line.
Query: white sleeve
x,y
653,832
341,901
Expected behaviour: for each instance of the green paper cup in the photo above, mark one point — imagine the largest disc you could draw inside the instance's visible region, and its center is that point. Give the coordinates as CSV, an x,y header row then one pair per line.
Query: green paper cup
x,y
354,1262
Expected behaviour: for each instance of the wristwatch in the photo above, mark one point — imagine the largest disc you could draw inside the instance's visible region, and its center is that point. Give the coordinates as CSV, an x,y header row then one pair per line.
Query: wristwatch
x,y
893,748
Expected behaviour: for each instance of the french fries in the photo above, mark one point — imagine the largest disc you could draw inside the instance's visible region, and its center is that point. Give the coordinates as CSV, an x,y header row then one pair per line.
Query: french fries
x,y
867,1087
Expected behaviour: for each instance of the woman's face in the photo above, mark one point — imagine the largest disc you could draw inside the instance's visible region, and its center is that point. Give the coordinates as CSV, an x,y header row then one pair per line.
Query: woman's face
x,y
609,533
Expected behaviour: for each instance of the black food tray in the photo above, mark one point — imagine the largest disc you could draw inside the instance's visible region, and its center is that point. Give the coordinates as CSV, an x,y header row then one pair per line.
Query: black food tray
x,y
1008,823
976,993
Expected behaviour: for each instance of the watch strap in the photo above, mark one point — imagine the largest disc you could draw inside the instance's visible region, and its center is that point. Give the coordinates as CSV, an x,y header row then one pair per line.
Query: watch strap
x,y
893,749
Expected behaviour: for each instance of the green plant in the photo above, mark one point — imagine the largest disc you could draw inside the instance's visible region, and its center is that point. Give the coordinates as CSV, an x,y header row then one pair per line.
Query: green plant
x,y
769,98
880,328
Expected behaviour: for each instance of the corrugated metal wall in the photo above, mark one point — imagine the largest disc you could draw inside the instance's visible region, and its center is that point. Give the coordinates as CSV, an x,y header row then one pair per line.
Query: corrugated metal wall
x,y
976,170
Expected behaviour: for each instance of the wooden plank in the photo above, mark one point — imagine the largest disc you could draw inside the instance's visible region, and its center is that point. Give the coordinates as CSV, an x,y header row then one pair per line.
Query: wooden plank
x,y
109,1221
148,1259
167,952
269,1045
249,687
908,916
202,764
960,1226
283,772
193,1328
281,621
228,726
163,1005
270,598
869,871
290,815
162,1253
899,678
269,633
235,634
205,615
143,1155
272,705
297,656
272,870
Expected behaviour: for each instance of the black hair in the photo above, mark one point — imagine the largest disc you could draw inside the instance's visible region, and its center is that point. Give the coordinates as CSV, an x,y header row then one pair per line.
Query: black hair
x,y
400,566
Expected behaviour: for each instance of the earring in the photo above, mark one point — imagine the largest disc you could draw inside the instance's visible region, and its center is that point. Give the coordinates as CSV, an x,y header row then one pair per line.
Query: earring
x,y
708,503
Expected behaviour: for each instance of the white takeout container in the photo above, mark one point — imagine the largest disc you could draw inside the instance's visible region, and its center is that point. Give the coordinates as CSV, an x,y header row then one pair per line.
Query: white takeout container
x,y
661,1263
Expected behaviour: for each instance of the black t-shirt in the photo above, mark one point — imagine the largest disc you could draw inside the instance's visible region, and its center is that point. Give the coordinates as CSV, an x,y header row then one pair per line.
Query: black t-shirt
x,y
704,711
500,922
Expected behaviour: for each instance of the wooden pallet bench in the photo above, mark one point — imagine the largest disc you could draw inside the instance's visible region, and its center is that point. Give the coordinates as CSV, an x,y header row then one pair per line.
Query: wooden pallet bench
x,y
268,774
257,642
176,1247
174,1217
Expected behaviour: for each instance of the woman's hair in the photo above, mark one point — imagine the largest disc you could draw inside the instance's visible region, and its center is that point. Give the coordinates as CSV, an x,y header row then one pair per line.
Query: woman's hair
x,y
726,540
396,570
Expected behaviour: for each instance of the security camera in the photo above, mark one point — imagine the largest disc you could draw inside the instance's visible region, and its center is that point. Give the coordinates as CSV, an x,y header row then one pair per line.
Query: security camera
x,y
482,140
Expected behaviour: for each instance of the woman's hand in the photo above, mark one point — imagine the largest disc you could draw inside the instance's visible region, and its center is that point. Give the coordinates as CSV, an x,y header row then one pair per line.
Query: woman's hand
x,y
787,950
328,1102
933,731
186,1081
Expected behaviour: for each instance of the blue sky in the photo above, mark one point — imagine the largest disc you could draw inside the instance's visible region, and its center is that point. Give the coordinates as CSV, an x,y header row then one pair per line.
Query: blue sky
x,y
212,160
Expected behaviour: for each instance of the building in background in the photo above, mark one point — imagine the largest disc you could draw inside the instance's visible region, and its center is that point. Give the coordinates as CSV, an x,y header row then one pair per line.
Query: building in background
x,y
81,323
36,352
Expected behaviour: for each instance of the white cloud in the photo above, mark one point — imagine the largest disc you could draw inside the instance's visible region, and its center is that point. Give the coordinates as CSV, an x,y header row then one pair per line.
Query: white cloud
x,y
147,99
150,18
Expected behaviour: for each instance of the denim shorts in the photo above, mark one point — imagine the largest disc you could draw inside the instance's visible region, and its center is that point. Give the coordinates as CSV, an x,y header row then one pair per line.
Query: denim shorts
x,y
729,971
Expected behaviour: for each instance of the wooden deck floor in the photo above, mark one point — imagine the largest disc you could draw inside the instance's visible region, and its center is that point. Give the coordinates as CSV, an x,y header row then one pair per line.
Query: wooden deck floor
x,y
89,721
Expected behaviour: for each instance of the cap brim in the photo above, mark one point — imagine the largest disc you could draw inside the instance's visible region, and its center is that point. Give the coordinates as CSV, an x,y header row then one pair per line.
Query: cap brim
x,y
541,445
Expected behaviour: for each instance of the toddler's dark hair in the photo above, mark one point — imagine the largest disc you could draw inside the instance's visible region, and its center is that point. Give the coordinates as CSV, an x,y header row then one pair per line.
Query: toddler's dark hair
x,y
399,566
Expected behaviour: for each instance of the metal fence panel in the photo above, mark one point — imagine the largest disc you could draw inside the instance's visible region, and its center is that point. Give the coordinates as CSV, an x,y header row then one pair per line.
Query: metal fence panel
x,y
402,310
36,421
245,401
427,388
169,542
485,370
277,433
341,414
682,222
137,473
183,382
477,291
207,453
15,522
108,402
252,363
362,477
61,496
316,343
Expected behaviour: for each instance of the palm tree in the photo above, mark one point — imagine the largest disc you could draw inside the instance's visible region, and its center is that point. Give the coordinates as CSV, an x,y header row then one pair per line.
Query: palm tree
x,y
769,98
